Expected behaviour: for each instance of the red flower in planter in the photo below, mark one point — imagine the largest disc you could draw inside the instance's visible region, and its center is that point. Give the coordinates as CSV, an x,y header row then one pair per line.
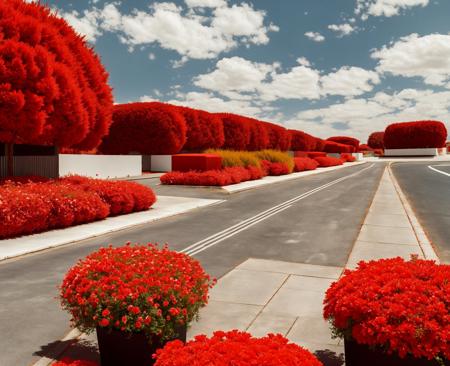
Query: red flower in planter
x,y
69,362
140,288
237,349
401,306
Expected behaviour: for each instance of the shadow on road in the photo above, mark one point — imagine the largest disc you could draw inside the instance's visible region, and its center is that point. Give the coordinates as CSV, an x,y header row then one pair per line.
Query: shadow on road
x,y
330,358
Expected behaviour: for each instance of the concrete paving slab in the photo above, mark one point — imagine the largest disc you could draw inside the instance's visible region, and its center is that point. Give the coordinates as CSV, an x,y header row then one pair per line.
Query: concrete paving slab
x,y
248,287
267,323
166,206
308,283
297,303
388,235
223,316
300,269
377,218
388,208
312,330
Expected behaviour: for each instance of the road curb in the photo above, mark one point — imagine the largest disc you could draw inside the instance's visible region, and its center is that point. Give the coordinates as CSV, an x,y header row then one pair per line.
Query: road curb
x,y
67,341
425,244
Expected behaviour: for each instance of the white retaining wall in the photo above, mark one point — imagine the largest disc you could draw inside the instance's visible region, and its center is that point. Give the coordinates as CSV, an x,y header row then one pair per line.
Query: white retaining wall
x,y
411,152
100,166
161,163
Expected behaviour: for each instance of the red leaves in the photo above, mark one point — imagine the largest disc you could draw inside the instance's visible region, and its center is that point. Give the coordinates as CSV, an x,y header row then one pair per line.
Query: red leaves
x,y
279,137
376,140
235,348
301,141
39,206
349,158
345,140
328,161
69,362
143,288
400,306
145,128
237,131
414,135
196,162
336,148
53,87
303,164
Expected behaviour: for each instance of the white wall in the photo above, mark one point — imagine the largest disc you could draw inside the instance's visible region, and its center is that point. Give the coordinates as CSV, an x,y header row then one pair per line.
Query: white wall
x,y
411,152
161,163
100,166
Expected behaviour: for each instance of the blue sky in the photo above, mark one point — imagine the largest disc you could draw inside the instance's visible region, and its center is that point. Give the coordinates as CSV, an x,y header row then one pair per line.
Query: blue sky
x,y
324,66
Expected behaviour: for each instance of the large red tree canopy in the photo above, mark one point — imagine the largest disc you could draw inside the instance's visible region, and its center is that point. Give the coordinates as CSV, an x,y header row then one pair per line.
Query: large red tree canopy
x,y
53,87
146,128
376,140
414,135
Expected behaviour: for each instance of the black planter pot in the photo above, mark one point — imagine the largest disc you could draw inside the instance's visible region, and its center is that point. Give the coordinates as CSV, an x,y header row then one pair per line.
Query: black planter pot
x,y
120,349
362,355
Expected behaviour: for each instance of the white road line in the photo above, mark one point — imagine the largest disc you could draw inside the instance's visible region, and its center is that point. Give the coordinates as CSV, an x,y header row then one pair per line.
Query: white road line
x,y
439,171
217,238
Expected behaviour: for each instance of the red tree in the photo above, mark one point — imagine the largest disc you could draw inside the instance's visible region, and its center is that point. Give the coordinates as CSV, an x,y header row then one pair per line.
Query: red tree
x,y
146,128
301,141
204,130
346,140
376,140
237,131
53,87
279,137
259,136
414,135
336,148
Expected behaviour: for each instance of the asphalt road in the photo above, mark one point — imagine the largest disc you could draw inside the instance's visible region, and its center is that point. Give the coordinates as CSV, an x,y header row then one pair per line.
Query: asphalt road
x,y
428,192
314,223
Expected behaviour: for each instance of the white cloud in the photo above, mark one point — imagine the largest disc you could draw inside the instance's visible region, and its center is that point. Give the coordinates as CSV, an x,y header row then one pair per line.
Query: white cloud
x,y
315,36
205,3
349,81
427,57
86,24
387,8
342,29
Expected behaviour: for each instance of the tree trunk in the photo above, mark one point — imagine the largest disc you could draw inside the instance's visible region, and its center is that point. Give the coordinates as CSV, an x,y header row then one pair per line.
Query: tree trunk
x,y
9,151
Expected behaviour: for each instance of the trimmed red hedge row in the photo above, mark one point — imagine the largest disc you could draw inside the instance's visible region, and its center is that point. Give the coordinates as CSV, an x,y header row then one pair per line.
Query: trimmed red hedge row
x,y
349,158
196,162
236,131
414,135
376,140
337,148
279,137
303,164
364,147
315,154
27,208
145,128
328,161
301,141
346,140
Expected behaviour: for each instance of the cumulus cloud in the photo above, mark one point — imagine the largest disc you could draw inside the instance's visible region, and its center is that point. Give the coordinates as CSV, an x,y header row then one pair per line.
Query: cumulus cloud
x,y
427,57
342,29
315,36
349,81
189,33
386,8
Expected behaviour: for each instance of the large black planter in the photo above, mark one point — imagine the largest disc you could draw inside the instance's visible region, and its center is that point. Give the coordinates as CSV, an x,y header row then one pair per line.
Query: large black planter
x,y
121,349
362,355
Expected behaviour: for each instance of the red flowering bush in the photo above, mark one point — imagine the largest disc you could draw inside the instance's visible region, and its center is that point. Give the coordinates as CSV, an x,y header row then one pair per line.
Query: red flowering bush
x,y
275,168
204,130
303,164
279,137
236,130
146,128
53,87
237,349
400,306
122,197
349,158
414,135
345,140
135,288
325,162
69,362
376,140
223,177
337,148
301,141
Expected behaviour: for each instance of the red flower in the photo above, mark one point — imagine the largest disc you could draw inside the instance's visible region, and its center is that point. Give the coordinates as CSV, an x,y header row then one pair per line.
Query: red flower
x,y
104,322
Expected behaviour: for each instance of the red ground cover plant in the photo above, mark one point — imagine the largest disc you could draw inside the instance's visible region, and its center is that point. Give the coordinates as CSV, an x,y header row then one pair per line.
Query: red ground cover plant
x,y
122,197
146,128
376,140
275,168
69,362
303,164
236,130
135,288
222,177
414,135
337,148
53,87
328,161
235,348
301,141
346,140
279,137
204,130
400,306
349,158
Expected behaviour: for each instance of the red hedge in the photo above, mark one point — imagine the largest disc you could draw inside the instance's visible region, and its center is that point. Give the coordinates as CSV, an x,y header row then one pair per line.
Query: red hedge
x,y
413,135
320,145
196,162
236,131
301,141
336,148
53,87
259,136
223,177
364,147
349,158
316,154
328,161
303,164
145,128
279,137
346,141
376,140
204,130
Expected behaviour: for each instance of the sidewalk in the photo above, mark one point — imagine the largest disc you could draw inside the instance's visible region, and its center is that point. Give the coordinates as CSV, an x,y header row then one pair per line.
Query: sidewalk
x,y
265,296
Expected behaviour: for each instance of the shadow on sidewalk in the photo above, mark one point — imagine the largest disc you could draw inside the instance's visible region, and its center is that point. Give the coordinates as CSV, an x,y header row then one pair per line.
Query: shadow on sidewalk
x,y
330,358
80,349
